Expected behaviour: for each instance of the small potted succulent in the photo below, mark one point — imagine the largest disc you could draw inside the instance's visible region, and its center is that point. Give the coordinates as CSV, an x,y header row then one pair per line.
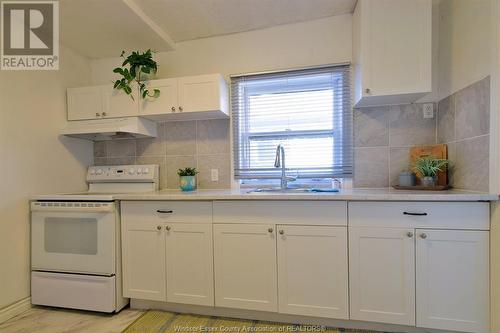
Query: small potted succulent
x,y
187,179
428,167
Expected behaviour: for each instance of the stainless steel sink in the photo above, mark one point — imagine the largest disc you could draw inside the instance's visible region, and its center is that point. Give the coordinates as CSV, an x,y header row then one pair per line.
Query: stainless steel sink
x,y
280,190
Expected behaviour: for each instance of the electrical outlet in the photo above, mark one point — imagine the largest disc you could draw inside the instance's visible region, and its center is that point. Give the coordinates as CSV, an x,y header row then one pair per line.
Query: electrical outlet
x,y
214,175
428,110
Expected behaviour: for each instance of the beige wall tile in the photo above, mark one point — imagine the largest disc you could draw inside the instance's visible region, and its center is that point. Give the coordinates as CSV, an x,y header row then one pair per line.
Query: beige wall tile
x,y
100,149
446,120
174,163
120,160
371,167
121,148
212,136
100,161
408,127
208,162
472,110
161,161
181,137
471,169
371,127
399,160
153,146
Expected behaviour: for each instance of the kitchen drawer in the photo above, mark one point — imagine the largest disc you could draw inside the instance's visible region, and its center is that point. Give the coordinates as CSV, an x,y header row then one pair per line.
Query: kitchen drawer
x,y
281,212
168,211
436,215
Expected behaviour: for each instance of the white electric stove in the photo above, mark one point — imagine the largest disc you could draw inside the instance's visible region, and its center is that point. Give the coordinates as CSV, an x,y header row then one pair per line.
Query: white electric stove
x,y
75,240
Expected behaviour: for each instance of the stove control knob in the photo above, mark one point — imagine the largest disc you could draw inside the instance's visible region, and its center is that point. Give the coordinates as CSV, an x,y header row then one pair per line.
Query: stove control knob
x,y
146,170
92,172
131,171
139,171
99,171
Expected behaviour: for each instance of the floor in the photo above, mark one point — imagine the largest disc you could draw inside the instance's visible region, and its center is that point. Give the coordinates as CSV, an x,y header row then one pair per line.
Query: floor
x,y
53,320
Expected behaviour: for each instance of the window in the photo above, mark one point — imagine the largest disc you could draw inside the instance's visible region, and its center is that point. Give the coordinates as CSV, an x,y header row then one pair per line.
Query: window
x,y
307,111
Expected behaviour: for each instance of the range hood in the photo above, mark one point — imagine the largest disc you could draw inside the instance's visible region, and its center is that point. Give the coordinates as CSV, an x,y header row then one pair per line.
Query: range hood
x,y
113,128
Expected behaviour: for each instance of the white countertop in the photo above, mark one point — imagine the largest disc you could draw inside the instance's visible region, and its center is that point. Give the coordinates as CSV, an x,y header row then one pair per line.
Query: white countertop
x,y
384,194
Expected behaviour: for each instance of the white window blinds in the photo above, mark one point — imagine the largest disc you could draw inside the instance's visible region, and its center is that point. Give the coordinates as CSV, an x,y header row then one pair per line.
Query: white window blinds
x,y
308,111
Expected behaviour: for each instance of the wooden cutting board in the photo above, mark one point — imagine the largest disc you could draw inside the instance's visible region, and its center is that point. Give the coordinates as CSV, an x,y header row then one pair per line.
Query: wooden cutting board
x,y
437,151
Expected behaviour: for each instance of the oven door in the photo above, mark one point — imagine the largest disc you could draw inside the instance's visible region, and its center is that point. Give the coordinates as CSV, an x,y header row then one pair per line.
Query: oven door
x,y
75,237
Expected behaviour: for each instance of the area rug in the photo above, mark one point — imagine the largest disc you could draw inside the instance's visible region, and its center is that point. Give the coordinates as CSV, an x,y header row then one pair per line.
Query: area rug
x,y
169,322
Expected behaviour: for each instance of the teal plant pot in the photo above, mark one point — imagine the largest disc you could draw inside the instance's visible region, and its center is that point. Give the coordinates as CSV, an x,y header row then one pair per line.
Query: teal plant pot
x,y
187,183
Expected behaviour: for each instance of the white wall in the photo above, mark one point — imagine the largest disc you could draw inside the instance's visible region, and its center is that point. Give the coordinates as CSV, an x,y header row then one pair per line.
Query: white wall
x,y
464,44
34,159
317,42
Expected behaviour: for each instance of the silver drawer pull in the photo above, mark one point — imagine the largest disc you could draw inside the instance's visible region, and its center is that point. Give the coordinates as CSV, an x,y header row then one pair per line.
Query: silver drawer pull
x,y
162,211
415,214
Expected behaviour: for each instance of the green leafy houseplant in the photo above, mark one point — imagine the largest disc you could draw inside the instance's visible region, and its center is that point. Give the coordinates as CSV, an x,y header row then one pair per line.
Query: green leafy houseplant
x,y
430,166
187,172
133,69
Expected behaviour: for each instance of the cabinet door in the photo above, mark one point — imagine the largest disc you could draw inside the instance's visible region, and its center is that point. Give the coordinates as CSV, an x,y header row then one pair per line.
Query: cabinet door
x,y
245,266
190,264
116,103
167,101
382,275
84,103
398,47
199,93
453,280
143,260
312,271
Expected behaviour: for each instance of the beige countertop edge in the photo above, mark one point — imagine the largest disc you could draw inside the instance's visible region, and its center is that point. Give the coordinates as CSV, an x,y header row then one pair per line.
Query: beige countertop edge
x,y
344,195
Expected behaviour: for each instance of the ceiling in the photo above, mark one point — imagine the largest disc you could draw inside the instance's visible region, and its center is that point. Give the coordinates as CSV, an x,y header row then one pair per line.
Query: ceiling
x,y
98,28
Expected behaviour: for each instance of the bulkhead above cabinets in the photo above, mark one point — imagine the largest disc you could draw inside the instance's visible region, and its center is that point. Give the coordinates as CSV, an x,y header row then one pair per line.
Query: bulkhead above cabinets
x,y
184,98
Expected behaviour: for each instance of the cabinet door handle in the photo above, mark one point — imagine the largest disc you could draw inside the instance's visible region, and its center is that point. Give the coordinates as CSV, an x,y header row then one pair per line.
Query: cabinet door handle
x,y
409,234
270,230
173,109
168,228
158,228
162,211
282,232
423,235
104,114
97,114
180,108
415,214
367,90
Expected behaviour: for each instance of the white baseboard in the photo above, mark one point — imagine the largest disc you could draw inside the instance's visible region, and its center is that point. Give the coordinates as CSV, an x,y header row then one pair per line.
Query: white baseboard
x,y
15,309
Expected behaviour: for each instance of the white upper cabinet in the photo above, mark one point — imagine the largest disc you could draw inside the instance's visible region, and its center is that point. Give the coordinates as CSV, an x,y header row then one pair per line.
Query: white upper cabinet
x,y
187,98
453,280
392,51
99,102
312,271
382,275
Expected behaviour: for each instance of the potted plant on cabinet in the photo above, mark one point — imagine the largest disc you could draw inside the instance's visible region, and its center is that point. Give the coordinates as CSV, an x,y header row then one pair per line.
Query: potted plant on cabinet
x,y
137,67
187,179
428,167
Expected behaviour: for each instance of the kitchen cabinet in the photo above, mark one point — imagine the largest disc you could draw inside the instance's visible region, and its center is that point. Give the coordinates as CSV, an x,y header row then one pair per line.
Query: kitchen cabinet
x,y
185,98
189,260
382,275
245,266
452,280
392,51
167,251
143,259
312,271
99,102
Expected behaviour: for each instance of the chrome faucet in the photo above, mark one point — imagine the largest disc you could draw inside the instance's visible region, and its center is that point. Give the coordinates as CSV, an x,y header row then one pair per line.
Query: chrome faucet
x,y
279,162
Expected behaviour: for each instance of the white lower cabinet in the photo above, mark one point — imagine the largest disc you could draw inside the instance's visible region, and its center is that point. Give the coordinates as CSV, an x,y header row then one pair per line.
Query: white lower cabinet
x,y
453,280
190,264
143,257
245,266
382,275
312,271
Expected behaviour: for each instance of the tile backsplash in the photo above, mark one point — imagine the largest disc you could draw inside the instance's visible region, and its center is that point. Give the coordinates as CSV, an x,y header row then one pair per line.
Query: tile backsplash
x,y
203,144
383,136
